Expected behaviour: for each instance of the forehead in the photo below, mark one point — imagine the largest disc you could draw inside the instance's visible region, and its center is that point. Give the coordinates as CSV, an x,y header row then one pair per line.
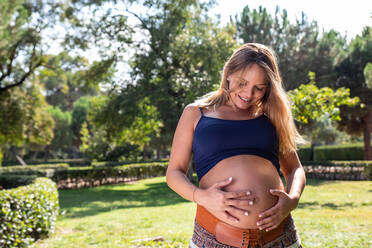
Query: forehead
x,y
252,73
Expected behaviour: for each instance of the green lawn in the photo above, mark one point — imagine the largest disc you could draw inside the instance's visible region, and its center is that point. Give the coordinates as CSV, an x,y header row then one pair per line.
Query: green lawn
x,y
330,214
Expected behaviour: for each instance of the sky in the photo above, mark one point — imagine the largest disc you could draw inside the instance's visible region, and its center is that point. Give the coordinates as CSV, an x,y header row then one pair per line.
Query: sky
x,y
347,17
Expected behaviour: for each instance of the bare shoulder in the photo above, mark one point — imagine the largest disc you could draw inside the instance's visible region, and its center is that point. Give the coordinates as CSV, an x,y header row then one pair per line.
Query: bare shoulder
x,y
191,114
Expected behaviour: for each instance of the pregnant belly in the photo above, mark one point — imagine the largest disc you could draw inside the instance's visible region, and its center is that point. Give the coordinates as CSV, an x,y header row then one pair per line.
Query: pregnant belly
x,y
249,173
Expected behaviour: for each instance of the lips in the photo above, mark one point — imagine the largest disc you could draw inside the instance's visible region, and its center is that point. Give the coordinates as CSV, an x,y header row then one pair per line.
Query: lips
x,y
246,101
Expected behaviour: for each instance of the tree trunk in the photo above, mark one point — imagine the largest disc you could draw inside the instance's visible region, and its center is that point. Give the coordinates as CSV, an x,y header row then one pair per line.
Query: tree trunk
x,y
19,158
367,134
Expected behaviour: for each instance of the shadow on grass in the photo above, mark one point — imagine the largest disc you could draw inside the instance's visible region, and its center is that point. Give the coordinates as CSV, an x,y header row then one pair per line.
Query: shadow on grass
x,y
91,201
316,205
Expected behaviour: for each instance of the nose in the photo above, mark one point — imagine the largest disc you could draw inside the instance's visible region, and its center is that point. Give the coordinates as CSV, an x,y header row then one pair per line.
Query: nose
x,y
247,93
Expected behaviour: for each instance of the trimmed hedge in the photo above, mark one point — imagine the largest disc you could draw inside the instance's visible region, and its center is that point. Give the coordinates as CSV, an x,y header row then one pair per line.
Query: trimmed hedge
x,y
103,174
12,181
304,153
28,213
70,162
339,152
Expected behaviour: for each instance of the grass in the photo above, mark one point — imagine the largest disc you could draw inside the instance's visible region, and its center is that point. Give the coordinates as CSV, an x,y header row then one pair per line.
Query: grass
x,y
330,214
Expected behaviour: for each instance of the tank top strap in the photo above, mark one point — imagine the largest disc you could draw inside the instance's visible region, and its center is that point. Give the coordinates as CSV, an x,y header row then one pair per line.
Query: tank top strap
x,y
201,111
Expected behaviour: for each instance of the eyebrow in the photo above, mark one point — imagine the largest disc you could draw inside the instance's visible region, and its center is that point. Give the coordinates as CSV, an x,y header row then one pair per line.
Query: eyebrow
x,y
249,82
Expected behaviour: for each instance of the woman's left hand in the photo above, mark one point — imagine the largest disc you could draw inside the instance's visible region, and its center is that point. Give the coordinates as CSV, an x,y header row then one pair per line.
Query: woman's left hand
x,y
271,218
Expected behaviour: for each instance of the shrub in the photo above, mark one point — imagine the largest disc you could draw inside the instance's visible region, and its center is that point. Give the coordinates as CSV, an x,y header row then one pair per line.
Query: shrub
x,y
28,213
12,181
339,152
304,153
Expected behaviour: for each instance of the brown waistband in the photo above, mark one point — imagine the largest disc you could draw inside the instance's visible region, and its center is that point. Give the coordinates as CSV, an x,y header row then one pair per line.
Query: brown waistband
x,y
234,236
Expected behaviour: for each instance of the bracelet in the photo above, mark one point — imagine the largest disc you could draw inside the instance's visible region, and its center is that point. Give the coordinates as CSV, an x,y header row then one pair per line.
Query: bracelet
x,y
193,194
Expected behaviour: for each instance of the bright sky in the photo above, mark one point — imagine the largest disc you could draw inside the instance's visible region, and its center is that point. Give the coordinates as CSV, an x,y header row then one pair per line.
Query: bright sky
x,y
347,17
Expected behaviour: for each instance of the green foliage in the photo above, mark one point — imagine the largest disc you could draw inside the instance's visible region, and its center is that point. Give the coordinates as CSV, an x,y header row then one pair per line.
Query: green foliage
x,y
63,135
1,157
304,153
24,118
299,46
79,116
368,75
40,169
119,127
9,181
339,152
311,103
28,213
353,73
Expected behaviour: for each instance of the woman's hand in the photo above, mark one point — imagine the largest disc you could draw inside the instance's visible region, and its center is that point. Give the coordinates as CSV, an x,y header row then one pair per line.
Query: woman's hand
x,y
230,204
271,218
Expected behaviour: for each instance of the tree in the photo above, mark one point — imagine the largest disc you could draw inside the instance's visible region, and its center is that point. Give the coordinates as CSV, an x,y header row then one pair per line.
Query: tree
x,y
299,47
352,72
311,104
21,50
102,141
24,119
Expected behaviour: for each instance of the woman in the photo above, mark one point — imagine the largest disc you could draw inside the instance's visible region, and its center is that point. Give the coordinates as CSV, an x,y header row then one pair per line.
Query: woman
x,y
240,136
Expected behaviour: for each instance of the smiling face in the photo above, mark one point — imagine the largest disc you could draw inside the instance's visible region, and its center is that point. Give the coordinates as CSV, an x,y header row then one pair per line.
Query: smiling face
x,y
247,87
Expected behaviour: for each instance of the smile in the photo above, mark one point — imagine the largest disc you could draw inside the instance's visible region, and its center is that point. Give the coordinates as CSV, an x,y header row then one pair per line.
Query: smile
x,y
244,99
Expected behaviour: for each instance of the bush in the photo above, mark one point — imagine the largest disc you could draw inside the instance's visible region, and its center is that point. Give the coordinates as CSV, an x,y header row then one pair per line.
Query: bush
x,y
43,170
304,153
339,152
28,213
70,162
12,181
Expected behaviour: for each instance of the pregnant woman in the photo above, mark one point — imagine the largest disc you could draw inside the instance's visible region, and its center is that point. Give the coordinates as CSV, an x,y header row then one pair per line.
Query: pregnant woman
x,y
241,136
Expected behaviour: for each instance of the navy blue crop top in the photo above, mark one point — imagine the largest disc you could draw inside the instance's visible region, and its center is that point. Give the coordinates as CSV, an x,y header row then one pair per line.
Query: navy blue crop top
x,y
216,139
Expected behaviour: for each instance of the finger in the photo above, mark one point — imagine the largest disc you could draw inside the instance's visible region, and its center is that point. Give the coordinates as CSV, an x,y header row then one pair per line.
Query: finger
x,y
223,183
269,226
230,217
237,211
269,212
278,192
230,195
266,221
241,202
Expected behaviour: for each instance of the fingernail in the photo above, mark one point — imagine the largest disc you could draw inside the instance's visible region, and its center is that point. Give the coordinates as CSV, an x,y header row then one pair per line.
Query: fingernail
x,y
246,213
267,230
250,202
236,220
230,178
260,228
260,215
248,193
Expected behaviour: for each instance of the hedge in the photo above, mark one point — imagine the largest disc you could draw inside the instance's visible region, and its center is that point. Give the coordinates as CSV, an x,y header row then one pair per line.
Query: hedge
x,y
103,174
339,152
70,162
28,213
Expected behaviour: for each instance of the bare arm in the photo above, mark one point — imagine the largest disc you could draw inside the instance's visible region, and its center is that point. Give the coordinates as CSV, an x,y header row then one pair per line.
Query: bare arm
x,y
213,197
295,182
181,154
294,175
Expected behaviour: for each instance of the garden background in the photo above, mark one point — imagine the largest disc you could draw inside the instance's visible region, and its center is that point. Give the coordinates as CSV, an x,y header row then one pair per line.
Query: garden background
x,y
90,95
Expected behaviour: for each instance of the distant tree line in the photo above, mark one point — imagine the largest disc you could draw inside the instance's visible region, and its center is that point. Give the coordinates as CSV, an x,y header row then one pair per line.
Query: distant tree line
x,y
70,103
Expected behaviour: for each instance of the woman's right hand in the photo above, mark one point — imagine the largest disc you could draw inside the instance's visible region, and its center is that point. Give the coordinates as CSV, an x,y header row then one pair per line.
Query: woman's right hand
x,y
230,204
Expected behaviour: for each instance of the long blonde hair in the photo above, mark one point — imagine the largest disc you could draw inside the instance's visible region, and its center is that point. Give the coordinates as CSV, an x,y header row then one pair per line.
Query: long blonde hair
x,y
275,103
